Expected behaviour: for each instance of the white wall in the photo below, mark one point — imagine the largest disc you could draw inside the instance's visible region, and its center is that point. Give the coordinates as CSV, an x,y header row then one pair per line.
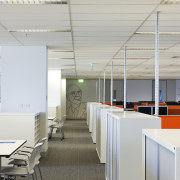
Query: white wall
x,y
177,90
24,81
119,87
54,88
171,90
139,90
63,97
54,91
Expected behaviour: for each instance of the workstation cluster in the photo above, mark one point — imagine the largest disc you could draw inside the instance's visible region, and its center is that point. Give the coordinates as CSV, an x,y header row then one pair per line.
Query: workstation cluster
x,y
134,145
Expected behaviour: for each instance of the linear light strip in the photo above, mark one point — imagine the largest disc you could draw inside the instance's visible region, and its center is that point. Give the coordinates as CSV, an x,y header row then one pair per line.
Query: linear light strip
x,y
131,58
171,2
26,2
38,30
61,58
145,49
161,33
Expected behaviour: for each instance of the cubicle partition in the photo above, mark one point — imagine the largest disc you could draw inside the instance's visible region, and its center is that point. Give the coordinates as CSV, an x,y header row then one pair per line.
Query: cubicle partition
x,y
170,122
173,110
124,144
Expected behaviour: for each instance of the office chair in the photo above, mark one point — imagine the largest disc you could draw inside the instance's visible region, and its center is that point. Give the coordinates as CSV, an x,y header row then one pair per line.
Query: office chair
x,y
59,125
25,153
24,171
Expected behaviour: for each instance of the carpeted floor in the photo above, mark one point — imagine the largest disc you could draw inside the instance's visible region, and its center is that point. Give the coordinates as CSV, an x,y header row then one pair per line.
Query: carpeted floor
x,y
75,157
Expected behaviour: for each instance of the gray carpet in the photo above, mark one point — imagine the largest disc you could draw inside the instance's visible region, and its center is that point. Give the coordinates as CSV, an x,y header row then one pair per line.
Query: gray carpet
x,y
74,158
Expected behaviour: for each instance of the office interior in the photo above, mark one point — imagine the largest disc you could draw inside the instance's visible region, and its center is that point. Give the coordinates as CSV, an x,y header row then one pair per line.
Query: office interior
x,y
95,85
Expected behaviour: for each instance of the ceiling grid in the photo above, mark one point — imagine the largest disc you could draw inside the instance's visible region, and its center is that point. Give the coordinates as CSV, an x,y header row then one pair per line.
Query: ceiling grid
x,y
81,34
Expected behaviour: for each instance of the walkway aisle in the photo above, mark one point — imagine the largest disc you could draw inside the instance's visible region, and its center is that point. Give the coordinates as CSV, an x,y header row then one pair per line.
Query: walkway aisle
x,y
75,158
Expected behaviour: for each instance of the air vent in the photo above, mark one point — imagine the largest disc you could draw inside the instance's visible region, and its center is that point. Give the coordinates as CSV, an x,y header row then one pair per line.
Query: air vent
x,y
176,57
25,2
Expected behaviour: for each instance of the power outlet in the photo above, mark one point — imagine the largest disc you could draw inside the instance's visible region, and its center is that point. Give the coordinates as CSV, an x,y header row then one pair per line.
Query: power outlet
x,y
23,106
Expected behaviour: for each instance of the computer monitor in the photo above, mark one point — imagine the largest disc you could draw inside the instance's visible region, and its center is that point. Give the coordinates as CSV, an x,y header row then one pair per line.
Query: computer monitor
x,y
145,109
172,103
163,110
129,105
119,103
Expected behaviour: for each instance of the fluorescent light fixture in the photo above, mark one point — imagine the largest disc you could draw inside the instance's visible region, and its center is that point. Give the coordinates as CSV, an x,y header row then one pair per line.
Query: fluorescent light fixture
x,y
60,51
132,58
162,33
171,2
38,30
25,2
60,59
144,49
80,80
67,58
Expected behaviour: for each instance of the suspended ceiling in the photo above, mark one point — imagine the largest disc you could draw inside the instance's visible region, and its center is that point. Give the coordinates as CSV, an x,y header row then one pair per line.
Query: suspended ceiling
x,y
85,36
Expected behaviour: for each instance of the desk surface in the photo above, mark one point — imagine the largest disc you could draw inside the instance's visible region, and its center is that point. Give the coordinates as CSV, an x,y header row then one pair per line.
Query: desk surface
x,y
132,115
8,147
51,118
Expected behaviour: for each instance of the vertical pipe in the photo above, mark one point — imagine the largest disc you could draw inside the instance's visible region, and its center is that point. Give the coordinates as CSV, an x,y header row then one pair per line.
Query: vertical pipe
x,y
99,90
125,92
157,66
96,92
104,92
111,83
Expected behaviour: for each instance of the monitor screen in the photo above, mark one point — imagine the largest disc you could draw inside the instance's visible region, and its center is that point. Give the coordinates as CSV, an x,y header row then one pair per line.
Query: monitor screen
x,y
172,103
163,110
119,103
144,109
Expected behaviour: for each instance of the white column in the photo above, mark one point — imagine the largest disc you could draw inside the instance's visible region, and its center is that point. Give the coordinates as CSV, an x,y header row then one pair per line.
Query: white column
x,y
104,92
125,92
111,83
157,67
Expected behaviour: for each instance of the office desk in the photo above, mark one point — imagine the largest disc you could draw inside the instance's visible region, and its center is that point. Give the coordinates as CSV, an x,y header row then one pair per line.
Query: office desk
x,y
8,147
51,118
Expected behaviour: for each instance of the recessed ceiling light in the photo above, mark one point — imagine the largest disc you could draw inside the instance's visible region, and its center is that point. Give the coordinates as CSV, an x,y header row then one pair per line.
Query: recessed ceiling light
x,y
25,2
161,33
38,30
